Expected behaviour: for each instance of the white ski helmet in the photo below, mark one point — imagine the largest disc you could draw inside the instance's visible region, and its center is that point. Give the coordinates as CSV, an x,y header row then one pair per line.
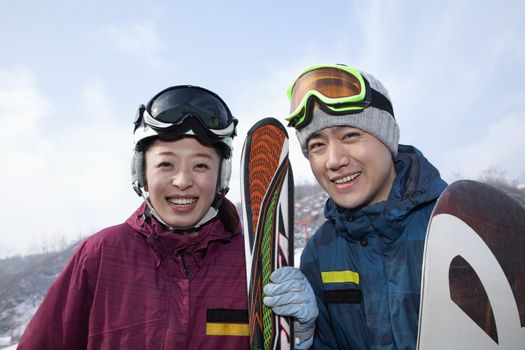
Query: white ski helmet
x,y
184,110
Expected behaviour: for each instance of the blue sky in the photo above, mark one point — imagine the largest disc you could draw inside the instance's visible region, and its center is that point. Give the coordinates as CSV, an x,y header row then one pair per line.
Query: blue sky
x,y
73,73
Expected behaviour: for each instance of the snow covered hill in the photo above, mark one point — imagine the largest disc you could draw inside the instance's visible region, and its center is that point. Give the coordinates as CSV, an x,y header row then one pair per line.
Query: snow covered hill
x,y
23,284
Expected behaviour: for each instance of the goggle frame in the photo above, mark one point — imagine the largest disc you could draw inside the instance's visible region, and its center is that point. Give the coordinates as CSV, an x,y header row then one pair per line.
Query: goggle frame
x,y
302,114
194,115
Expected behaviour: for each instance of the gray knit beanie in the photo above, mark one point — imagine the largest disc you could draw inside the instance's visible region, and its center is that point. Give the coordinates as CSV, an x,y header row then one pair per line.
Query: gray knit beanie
x,y
371,120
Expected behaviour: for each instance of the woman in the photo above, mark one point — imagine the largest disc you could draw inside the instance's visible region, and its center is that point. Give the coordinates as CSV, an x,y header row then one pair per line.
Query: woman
x,y
173,275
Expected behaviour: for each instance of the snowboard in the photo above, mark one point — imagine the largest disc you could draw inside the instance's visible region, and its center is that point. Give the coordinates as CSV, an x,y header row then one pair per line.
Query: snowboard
x,y
267,204
473,281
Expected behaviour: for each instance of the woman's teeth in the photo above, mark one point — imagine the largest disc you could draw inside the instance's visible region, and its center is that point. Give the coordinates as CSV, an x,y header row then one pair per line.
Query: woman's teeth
x,y
182,201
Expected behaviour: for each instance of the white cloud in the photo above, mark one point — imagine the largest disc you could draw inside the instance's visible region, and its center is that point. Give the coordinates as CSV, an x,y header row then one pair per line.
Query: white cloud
x,y
140,40
96,102
502,147
65,185
22,111
96,160
22,107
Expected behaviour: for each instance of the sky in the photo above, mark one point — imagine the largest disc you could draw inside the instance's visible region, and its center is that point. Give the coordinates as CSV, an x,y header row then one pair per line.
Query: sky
x,y
73,73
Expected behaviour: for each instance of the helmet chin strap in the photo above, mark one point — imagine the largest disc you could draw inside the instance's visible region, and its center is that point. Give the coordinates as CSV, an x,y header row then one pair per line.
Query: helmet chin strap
x,y
210,214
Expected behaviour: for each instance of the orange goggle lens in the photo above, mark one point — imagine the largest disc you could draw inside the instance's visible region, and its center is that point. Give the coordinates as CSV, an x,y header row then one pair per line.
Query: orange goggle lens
x,y
330,82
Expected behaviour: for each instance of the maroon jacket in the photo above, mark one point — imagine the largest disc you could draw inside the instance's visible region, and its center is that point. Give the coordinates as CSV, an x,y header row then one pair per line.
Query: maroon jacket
x,y
138,286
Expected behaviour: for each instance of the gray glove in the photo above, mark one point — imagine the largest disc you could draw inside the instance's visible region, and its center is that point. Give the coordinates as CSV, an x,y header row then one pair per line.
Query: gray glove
x,y
290,294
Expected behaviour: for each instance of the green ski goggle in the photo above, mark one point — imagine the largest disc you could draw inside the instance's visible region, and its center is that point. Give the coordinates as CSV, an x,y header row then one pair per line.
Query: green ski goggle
x,y
337,89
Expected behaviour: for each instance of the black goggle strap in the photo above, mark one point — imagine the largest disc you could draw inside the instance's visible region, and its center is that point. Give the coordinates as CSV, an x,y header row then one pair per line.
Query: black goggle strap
x,y
381,102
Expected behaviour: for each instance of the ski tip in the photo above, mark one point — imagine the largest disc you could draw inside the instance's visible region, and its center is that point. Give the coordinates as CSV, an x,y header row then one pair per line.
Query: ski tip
x,y
268,121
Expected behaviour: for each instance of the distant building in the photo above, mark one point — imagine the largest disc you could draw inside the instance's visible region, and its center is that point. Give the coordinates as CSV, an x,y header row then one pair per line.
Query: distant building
x,y
5,341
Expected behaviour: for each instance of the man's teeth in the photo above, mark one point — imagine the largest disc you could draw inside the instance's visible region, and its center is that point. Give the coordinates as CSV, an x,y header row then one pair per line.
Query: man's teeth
x,y
346,178
182,201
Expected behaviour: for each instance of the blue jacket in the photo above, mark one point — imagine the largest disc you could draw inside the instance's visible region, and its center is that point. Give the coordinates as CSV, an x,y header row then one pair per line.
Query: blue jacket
x,y
365,264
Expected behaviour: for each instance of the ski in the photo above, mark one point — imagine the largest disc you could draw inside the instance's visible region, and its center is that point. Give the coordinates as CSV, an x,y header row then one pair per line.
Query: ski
x,y
267,204
473,284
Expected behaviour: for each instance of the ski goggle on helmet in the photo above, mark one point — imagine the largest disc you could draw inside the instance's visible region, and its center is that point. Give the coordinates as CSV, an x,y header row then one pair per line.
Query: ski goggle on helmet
x,y
338,89
184,110
178,109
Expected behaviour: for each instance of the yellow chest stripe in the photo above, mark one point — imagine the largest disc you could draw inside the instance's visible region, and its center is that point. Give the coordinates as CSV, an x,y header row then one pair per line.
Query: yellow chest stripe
x,y
340,276
235,329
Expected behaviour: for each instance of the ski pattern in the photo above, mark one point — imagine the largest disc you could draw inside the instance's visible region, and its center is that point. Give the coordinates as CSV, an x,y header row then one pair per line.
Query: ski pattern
x,y
267,196
473,292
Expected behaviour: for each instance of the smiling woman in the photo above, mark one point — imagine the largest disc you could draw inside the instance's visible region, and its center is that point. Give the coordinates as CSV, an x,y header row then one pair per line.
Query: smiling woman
x,y
174,272
181,178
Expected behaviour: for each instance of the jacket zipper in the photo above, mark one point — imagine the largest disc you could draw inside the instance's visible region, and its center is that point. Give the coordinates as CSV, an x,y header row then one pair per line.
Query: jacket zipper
x,y
185,268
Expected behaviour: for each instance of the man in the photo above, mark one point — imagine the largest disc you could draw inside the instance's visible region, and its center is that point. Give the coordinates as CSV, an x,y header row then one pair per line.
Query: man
x,y
364,262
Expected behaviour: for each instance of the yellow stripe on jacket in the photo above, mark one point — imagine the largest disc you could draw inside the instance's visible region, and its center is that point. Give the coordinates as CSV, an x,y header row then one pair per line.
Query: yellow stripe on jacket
x,y
340,276
234,329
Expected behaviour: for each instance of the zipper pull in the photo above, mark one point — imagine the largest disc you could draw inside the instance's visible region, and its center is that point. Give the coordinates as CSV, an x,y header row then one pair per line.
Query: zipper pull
x,y
185,268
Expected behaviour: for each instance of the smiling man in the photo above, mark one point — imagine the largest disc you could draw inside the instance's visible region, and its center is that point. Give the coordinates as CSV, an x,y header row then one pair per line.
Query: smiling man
x,y
364,262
